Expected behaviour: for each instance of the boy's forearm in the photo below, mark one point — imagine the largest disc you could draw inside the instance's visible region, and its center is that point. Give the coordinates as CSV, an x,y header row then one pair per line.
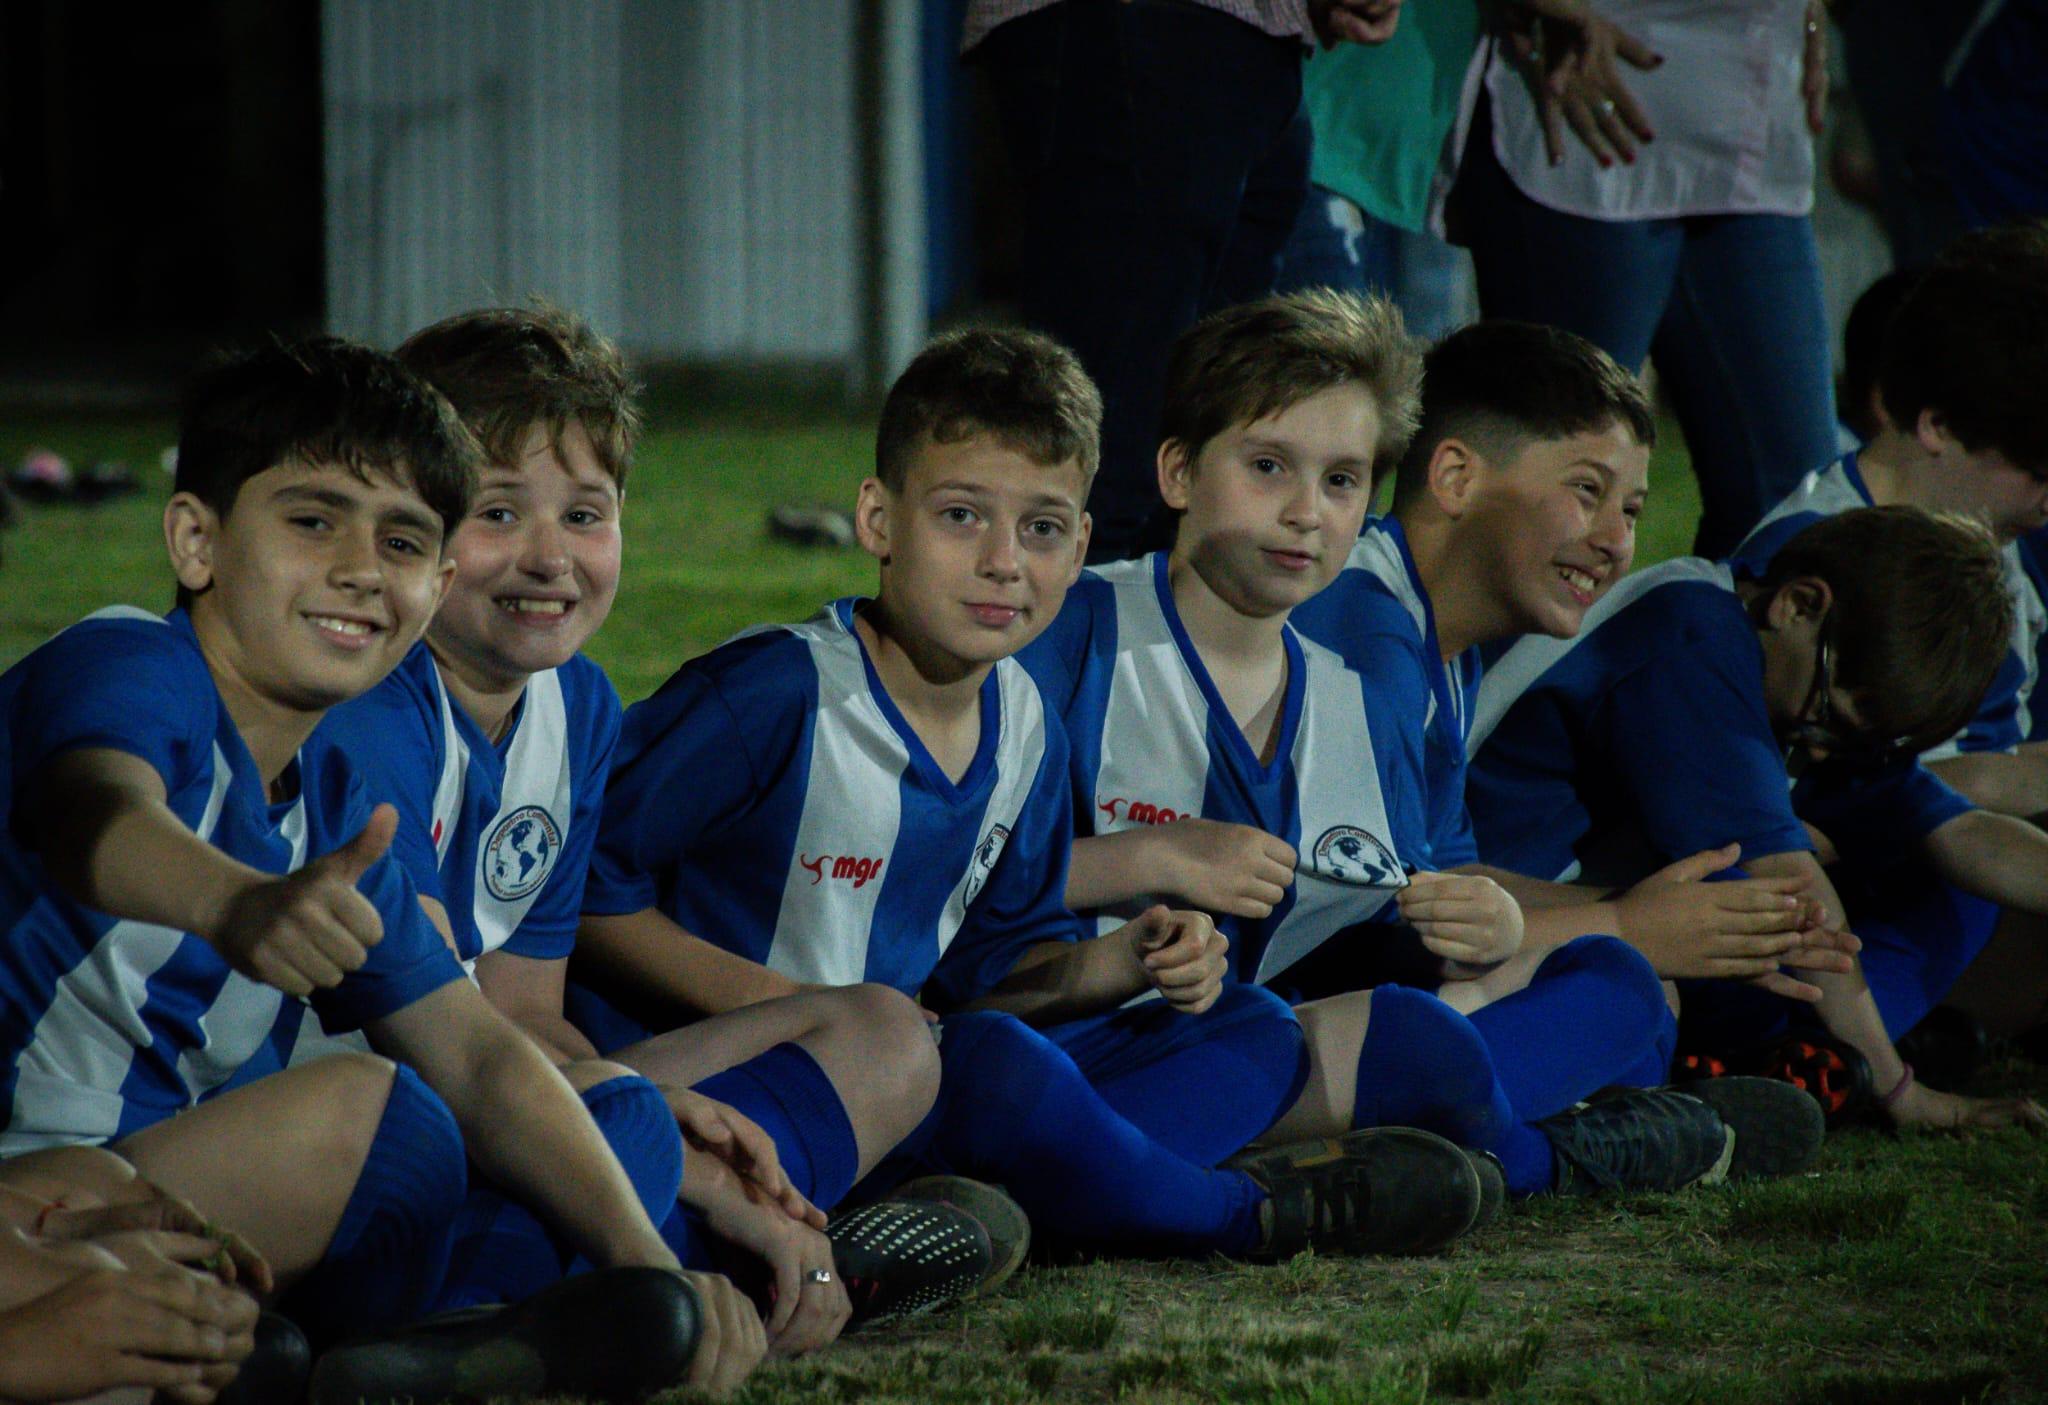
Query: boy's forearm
x,y
115,845
656,957
2006,783
1106,869
523,1125
1994,856
1057,981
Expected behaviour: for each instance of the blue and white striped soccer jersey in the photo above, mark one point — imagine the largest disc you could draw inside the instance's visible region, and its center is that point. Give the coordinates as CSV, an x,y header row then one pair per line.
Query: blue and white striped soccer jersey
x,y
773,800
1377,617
1645,738
108,1025
499,833
1153,742
2004,719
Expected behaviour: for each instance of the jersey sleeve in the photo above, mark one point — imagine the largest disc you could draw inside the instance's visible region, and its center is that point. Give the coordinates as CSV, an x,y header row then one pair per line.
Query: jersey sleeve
x,y
134,686
682,766
1688,741
392,738
548,931
1878,816
1024,902
411,960
1996,725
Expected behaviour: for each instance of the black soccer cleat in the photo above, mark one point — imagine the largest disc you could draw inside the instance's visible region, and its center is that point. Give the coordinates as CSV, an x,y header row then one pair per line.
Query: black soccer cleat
x,y
1638,1139
1378,1190
1830,1072
1947,1047
617,1334
1002,1219
1778,1129
1493,1187
904,1258
275,1372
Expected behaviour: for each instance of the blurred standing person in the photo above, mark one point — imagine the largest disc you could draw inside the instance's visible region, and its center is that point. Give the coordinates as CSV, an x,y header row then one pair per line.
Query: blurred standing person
x,y
1162,154
1679,226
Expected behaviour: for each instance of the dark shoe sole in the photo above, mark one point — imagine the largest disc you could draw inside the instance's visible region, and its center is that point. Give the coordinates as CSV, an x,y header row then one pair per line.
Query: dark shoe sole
x,y
275,1372
904,1258
1778,1129
1421,1191
615,1335
1493,1187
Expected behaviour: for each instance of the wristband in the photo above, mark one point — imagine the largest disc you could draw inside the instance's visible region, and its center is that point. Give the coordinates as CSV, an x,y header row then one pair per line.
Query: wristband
x,y
1899,1088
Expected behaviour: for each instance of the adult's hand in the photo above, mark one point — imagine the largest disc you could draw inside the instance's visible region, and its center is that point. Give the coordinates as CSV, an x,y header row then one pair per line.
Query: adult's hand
x,y
1571,59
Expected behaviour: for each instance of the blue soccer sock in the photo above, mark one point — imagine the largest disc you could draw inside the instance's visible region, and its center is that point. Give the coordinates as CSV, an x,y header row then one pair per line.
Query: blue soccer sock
x,y
1016,1109
503,1252
1593,1016
385,1263
789,1096
1202,1086
1424,1065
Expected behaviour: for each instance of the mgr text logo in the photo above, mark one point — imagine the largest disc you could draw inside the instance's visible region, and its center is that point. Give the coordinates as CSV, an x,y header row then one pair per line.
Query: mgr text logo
x,y
1137,811
843,867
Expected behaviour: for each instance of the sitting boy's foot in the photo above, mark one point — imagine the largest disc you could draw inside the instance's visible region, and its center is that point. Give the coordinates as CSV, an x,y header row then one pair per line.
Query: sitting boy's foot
x,y
1830,1072
901,1258
1946,1048
1493,1187
1379,1190
275,1371
617,1334
1000,1217
1638,1139
1778,1129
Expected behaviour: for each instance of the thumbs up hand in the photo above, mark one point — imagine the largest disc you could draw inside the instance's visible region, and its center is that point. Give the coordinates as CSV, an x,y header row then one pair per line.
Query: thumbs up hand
x,y
307,930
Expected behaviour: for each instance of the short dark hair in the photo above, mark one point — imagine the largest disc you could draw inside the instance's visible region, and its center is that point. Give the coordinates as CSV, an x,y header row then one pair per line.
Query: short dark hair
x,y
1921,616
1863,339
1500,385
1241,364
1968,342
510,368
322,400
1020,388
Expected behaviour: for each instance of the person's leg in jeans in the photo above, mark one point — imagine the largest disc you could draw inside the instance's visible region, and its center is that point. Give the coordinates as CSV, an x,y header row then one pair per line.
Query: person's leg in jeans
x,y
1334,244
1275,191
1743,352
1133,131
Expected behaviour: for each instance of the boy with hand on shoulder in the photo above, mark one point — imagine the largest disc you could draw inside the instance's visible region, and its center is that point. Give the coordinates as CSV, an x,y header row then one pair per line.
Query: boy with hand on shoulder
x,y
1667,723
881,794
1224,759
494,737
170,874
1514,510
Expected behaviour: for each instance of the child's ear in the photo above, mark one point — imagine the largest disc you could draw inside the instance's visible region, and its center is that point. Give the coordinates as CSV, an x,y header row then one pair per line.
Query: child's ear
x,y
871,519
1452,476
443,578
1083,529
1802,603
190,527
1932,431
1176,467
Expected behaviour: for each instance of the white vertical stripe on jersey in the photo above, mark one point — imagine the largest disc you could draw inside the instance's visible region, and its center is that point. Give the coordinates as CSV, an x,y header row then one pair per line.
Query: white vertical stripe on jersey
x,y
454,772
85,1042
1019,749
537,774
1378,554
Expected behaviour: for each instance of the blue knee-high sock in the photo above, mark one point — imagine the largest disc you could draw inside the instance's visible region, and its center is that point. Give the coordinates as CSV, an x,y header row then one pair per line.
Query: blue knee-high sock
x,y
788,1095
1593,1016
1015,1108
1424,1065
384,1265
1203,1086
504,1253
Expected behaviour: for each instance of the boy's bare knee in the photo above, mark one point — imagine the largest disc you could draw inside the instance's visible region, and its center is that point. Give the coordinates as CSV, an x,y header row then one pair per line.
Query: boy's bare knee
x,y
898,1040
585,1074
345,1095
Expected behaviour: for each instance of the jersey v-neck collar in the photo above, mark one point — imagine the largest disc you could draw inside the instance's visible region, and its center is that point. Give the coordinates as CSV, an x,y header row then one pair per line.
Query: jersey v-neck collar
x,y
1242,752
921,759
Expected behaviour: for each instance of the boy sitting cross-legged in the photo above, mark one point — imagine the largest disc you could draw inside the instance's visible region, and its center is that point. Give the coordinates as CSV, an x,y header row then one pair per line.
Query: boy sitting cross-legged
x,y
881,794
494,737
1226,761
1665,726
175,874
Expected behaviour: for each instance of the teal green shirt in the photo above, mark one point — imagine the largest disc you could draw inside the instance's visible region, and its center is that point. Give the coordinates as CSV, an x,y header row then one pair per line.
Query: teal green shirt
x,y
1381,114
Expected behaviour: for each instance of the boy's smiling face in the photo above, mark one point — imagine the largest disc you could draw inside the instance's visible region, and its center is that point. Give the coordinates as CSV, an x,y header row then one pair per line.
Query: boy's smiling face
x,y
977,549
1554,527
1271,509
536,563
314,585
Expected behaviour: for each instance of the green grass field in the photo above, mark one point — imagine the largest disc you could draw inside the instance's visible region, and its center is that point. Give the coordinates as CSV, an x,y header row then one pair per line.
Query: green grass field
x,y
1905,1270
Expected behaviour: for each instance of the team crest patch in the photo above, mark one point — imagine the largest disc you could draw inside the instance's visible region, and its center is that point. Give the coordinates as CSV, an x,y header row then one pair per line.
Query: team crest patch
x,y
1351,855
985,855
520,853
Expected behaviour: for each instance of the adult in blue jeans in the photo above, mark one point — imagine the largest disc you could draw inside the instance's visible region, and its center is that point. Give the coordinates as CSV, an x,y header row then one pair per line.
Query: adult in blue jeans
x,y
1162,154
1678,228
